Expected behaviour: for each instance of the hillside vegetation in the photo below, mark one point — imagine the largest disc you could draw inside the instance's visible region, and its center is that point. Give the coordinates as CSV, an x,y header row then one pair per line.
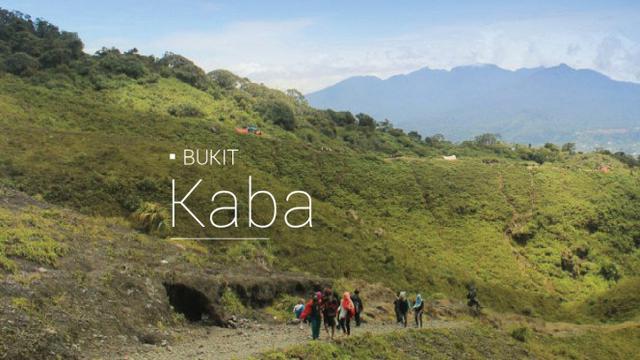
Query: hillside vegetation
x,y
545,232
477,342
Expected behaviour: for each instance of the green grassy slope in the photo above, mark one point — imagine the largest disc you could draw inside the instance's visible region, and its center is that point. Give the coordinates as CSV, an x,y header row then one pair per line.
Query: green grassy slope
x,y
474,342
504,223
541,230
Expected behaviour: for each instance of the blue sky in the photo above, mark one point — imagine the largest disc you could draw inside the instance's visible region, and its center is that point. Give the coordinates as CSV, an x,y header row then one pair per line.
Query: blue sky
x,y
309,45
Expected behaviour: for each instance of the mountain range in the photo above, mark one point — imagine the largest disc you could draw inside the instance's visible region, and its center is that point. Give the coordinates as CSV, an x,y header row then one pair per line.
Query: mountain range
x,y
529,105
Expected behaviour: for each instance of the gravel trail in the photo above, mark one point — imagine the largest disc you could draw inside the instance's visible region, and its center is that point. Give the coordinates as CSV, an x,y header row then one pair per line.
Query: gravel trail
x,y
221,343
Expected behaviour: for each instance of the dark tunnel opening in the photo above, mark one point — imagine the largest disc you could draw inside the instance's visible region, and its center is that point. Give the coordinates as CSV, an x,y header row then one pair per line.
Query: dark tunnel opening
x,y
193,304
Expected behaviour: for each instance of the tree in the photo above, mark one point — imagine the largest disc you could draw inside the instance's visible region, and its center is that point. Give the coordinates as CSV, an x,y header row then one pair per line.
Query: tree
x,y
569,148
225,79
385,125
21,64
26,42
297,96
184,70
46,30
552,147
116,63
415,135
434,140
341,118
626,158
55,57
487,139
41,40
72,42
366,121
278,112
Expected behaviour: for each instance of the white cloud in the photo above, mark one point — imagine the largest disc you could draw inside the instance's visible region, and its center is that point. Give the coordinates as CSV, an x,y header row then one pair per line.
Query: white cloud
x,y
291,53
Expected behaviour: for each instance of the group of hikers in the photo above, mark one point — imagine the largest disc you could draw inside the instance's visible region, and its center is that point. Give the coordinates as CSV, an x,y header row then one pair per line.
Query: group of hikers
x,y
326,305
401,306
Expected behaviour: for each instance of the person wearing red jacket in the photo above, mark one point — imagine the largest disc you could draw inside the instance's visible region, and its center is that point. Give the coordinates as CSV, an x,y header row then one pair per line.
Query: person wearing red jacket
x,y
346,311
313,311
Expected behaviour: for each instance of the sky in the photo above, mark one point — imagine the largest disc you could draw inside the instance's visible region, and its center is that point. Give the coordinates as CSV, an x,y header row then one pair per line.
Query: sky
x,y
308,45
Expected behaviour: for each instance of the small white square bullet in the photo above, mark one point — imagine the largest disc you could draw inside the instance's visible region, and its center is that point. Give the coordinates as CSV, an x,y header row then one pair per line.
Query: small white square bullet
x,y
172,156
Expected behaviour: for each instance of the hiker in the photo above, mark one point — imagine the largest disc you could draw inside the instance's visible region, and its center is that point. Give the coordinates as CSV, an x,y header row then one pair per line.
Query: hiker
x,y
357,303
403,307
345,313
330,305
326,297
298,309
472,296
396,308
313,312
418,309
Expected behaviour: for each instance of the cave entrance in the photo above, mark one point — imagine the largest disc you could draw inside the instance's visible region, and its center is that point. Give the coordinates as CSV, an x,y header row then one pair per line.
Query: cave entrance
x,y
193,304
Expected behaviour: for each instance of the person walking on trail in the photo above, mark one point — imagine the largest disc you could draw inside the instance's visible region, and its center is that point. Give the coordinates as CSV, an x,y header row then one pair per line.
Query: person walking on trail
x,y
313,312
403,308
418,309
346,312
330,305
357,302
396,308
472,296
326,297
298,309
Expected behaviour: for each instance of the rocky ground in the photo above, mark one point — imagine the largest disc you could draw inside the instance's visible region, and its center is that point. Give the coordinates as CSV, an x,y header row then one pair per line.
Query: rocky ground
x,y
223,343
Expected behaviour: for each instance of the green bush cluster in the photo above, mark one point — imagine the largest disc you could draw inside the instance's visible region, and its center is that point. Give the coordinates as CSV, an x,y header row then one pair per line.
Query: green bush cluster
x,y
185,110
27,45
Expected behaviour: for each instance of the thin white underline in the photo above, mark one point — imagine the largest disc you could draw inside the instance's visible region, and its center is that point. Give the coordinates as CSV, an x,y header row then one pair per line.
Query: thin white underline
x,y
218,238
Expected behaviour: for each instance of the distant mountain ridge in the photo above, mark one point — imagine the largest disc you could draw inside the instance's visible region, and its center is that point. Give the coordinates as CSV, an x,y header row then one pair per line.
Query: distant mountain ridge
x,y
529,105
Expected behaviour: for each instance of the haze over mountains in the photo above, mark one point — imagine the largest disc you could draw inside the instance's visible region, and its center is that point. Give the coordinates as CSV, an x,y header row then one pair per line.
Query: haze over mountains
x,y
534,105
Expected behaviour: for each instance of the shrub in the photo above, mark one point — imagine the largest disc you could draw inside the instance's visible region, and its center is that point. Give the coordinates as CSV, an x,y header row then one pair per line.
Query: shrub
x,y
520,334
249,251
610,272
185,110
279,113
116,63
231,303
21,64
435,140
225,79
415,136
627,159
151,218
366,121
569,263
487,139
569,148
55,57
184,70
341,118
551,147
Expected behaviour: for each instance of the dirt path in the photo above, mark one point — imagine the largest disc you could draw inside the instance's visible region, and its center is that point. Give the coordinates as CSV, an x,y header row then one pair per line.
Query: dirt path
x,y
223,343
